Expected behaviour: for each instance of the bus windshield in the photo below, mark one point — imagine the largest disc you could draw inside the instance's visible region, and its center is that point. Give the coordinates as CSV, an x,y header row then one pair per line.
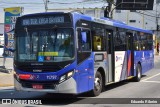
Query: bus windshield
x,y
45,45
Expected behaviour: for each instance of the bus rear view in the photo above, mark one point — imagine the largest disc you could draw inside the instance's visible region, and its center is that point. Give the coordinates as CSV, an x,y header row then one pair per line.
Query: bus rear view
x,y
45,53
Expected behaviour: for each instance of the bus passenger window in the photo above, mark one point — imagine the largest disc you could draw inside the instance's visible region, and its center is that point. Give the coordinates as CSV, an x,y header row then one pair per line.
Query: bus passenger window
x,y
97,43
99,40
137,42
120,42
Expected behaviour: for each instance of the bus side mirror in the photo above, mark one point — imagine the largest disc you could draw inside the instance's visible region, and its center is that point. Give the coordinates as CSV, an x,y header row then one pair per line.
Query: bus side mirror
x,y
84,37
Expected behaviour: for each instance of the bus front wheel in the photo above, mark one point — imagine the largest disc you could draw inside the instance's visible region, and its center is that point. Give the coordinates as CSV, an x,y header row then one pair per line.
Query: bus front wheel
x,y
138,73
98,84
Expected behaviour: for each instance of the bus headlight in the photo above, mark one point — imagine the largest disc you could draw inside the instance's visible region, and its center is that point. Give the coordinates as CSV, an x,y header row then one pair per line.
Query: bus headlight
x,y
69,74
66,76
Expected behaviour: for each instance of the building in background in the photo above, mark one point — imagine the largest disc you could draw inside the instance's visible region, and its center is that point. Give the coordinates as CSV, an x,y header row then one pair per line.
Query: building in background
x,y
93,8
94,12
147,19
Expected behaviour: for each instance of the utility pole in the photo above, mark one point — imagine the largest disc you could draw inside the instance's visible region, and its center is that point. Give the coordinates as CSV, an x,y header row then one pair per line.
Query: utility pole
x,y
157,20
157,44
46,4
143,20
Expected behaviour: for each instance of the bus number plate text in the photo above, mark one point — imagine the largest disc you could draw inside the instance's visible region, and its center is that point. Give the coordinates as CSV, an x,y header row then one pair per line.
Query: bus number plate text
x,y
37,86
51,77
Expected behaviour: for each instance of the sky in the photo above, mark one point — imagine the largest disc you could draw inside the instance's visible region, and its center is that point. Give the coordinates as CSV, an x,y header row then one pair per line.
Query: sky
x,y
36,6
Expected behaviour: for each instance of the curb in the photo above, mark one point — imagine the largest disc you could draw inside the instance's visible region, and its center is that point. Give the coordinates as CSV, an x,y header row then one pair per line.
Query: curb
x,y
6,85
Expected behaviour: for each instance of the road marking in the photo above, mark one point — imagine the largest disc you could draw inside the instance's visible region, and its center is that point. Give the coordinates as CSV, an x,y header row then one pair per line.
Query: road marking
x,y
152,81
151,77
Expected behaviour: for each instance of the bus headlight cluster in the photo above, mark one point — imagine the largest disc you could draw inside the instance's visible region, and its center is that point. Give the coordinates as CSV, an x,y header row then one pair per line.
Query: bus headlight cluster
x,y
66,76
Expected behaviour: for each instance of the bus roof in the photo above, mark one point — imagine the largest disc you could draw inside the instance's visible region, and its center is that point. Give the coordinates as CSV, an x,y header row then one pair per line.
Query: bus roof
x,y
43,13
102,20
111,22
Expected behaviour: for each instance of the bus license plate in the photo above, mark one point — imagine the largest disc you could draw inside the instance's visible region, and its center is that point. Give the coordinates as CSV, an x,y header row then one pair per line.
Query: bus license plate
x,y
37,86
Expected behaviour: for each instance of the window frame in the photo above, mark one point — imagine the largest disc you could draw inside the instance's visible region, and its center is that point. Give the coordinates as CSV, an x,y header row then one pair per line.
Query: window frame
x,y
94,28
77,39
118,36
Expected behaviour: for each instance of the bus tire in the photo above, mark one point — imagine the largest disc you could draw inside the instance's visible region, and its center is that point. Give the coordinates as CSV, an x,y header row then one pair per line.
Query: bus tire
x,y
138,73
98,84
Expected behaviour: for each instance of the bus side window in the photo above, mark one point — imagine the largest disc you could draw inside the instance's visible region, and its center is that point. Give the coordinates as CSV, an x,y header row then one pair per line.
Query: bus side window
x,y
97,43
84,45
99,40
120,40
137,41
84,40
150,42
143,40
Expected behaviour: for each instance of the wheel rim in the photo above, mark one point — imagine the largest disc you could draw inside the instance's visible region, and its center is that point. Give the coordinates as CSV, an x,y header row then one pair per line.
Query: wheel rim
x,y
97,84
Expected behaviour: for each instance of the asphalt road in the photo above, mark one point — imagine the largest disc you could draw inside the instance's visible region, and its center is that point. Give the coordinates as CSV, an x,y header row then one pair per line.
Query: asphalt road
x,y
148,87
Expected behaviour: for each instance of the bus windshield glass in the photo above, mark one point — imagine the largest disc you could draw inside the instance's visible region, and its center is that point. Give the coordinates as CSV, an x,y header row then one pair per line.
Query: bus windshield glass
x,y
45,45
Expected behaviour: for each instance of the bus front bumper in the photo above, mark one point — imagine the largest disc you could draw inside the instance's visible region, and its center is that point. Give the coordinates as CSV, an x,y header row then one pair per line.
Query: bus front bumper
x,y
68,86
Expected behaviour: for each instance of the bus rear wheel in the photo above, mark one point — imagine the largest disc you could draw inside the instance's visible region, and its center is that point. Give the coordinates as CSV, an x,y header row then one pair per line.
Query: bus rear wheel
x,y
98,84
138,73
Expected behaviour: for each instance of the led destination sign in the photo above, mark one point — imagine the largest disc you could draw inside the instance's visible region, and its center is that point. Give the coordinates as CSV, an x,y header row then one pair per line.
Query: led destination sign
x,y
43,20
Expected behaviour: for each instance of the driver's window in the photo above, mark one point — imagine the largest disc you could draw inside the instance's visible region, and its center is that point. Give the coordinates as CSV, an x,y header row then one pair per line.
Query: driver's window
x,y
84,40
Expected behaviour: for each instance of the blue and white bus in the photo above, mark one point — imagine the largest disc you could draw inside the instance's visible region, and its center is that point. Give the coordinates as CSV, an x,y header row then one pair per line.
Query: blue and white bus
x,y
72,53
